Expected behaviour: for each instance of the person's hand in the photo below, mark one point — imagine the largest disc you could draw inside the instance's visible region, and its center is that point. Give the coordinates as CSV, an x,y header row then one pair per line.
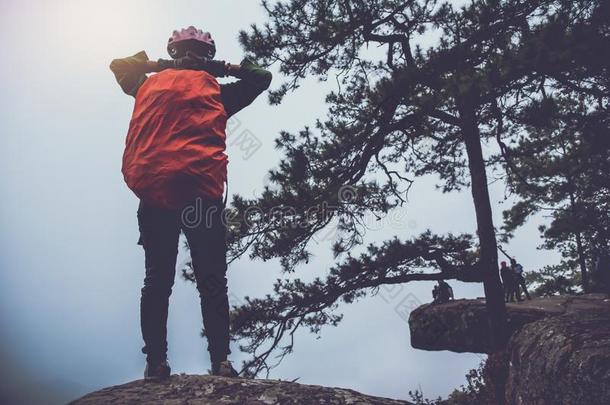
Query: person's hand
x,y
150,66
192,61
234,70
186,62
163,64
216,68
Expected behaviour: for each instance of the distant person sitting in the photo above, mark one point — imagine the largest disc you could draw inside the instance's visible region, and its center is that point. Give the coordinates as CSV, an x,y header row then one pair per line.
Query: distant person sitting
x,y
519,280
508,282
442,292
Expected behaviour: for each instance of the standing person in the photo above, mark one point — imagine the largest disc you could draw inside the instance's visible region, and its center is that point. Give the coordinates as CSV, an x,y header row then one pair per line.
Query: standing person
x,y
519,280
508,281
175,162
600,280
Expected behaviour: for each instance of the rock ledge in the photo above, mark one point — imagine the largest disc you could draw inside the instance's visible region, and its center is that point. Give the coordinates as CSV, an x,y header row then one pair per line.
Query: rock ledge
x,y
461,325
205,389
559,349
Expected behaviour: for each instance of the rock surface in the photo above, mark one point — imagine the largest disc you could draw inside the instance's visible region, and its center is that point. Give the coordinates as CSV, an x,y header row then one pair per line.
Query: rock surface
x,y
559,349
205,389
561,360
461,325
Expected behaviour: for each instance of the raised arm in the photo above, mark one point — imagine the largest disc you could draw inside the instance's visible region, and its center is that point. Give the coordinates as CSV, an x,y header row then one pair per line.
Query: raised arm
x,y
130,72
253,81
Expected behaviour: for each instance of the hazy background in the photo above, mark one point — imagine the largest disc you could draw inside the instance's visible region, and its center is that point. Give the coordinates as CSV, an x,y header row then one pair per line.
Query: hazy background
x,y
70,269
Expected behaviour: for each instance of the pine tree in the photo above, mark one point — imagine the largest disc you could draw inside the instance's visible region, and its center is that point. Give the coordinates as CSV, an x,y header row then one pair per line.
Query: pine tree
x,y
417,110
562,168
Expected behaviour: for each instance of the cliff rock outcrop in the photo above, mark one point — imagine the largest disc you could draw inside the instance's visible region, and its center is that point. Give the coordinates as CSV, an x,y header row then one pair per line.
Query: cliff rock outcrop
x,y
462,325
559,349
205,389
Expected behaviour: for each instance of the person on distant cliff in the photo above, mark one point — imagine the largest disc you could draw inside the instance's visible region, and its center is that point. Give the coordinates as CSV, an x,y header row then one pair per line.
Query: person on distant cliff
x,y
519,280
442,292
175,162
600,276
508,281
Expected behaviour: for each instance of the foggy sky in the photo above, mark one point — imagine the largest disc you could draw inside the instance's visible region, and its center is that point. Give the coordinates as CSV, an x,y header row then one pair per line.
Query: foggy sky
x,y
70,269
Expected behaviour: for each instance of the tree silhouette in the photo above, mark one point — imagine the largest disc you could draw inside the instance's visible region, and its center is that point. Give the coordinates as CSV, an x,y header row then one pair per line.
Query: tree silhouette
x,y
418,109
563,169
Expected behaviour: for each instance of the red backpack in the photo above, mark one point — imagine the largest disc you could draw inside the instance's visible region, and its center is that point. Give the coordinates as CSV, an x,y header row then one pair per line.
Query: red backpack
x,y
175,147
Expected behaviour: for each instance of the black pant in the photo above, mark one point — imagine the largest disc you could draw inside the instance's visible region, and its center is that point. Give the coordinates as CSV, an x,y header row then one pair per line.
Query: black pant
x,y
521,284
509,291
205,232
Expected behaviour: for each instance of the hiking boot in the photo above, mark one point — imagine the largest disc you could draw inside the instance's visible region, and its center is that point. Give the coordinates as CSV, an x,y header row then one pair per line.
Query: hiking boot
x,y
224,369
157,372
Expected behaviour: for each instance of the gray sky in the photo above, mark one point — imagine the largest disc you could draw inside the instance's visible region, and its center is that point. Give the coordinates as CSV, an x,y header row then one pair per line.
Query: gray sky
x,y
70,269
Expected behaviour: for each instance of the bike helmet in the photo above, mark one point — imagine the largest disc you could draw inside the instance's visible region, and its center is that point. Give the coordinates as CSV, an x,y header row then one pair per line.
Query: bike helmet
x,y
191,39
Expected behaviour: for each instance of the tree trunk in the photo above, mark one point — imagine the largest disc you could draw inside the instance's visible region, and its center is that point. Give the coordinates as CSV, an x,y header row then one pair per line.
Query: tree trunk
x,y
582,263
494,294
579,248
